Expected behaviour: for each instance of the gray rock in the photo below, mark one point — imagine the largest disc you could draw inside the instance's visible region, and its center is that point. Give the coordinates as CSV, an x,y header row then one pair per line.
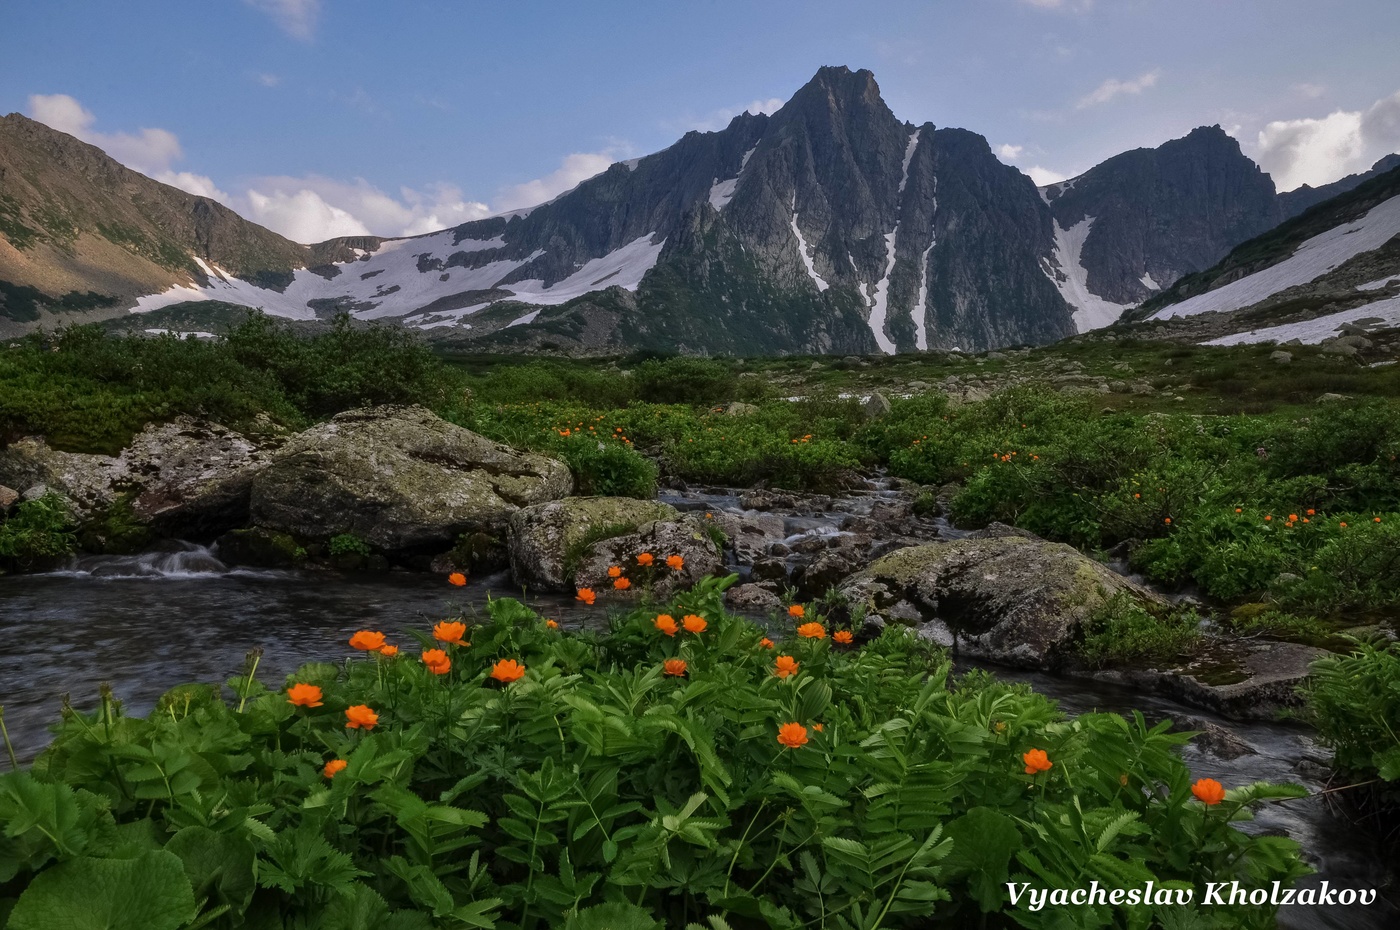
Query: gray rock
x,y
740,409
826,571
753,598
661,538
1011,599
542,537
875,406
1281,357
1329,397
8,497
769,569
1338,348
399,478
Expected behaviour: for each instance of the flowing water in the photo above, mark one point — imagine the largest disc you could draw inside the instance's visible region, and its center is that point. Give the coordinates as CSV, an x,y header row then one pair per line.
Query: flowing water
x,y
147,623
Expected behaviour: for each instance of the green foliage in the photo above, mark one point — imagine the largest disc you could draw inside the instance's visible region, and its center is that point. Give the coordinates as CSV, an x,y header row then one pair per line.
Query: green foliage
x,y
685,380
348,544
599,791
608,469
38,531
1354,701
1124,632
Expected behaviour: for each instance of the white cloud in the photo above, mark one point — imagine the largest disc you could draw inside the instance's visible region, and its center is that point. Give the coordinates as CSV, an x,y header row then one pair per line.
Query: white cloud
x,y
1043,176
1009,152
266,79
314,208
149,151
297,18
577,167
1320,150
1309,91
1113,88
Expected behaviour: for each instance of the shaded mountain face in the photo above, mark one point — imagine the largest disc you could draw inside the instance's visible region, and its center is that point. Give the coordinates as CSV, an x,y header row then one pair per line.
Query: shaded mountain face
x,y
828,227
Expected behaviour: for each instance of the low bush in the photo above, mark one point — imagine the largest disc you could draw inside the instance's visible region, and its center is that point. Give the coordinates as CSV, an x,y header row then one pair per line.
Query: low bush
x,y
670,773
1124,632
1354,701
37,532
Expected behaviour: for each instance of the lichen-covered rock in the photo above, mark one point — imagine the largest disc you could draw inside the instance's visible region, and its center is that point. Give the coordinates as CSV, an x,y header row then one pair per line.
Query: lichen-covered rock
x,y
687,538
544,539
1016,600
182,478
8,498
401,479
760,597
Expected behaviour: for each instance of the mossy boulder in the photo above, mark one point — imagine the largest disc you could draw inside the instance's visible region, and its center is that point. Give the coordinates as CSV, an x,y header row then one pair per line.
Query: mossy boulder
x,y
546,541
1016,600
261,548
402,479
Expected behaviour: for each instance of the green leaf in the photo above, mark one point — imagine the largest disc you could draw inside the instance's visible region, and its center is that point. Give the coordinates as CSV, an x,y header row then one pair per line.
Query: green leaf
x,y
983,843
614,916
219,865
150,892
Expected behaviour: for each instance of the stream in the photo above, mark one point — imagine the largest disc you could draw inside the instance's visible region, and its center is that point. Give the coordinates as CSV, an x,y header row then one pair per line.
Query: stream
x,y
148,622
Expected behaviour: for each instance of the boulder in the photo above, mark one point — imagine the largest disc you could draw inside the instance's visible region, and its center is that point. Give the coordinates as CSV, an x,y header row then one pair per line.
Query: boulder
x,y
1280,357
8,498
182,478
686,538
1016,600
875,406
756,598
401,479
740,409
544,539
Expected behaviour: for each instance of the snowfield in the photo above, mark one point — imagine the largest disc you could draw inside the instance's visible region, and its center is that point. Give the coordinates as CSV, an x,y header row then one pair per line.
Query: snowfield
x,y
1066,271
1379,314
1313,258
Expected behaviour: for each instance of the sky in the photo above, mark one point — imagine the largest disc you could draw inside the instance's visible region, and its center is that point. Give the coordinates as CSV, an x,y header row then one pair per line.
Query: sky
x,y
319,118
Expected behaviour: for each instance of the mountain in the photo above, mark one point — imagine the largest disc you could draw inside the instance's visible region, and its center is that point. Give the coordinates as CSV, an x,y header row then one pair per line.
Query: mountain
x,y
1301,198
829,226
1333,268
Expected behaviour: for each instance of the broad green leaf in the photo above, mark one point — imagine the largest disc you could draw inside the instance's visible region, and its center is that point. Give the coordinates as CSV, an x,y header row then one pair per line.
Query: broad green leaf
x,y
150,892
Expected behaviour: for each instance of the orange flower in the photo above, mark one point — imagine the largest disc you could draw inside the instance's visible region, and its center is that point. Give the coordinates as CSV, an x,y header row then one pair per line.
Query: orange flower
x,y
798,611
388,651
304,695
615,571
645,559
367,641
1343,524
1036,761
1167,520
1376,519
843,637
819,728
812,631
437,661
674,667
694,624
507,670
457,579
1208,791
785,666
1311,512
666,624
450,631
622,584
765,643
587,596
1268,519
360,717
552,624
792,735
1292,518
1239,510
333,766
675,562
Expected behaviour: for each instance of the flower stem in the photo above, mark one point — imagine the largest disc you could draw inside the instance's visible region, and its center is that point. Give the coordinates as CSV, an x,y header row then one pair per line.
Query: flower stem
x,y
14,763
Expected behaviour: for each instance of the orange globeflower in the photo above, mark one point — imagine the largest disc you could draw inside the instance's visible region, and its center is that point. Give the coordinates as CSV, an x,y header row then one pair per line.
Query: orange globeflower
x,y
552,624
388,651
819,728
450,631
457,579
304,695
507,670
587,595
1208,791
666,624
674,667
615,571
1167,520
622,584
812,631
785,666
645,559
1312,512
1376,519
1036,761
798,611
1292,518
792,735
367,641
765,643
1239,510
843,637
1268,519
694,624
360,717
437,661
333,766
675,562
1343,524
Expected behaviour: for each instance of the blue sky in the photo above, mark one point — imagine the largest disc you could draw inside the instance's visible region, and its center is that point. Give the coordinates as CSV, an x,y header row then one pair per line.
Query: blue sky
x,y
333,117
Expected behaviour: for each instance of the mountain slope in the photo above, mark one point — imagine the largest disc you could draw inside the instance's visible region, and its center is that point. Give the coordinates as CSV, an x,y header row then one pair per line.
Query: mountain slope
x,y
1336,264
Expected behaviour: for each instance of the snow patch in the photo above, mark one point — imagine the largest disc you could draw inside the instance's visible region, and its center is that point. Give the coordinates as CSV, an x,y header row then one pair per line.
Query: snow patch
x,y
908,157
1313,258
744,162
521,321
920,323
721,192
802,250
879,301
1148,283
1378,314
197,333
1066,271
1377,284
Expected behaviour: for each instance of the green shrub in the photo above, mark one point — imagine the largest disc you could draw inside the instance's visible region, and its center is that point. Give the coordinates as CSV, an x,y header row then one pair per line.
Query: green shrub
x,y
39,531
684,380
348,544
1124,632
608,469
1354,701
599,791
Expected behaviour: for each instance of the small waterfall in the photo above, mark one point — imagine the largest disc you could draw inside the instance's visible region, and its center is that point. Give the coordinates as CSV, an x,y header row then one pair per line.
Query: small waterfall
x,y
175,560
